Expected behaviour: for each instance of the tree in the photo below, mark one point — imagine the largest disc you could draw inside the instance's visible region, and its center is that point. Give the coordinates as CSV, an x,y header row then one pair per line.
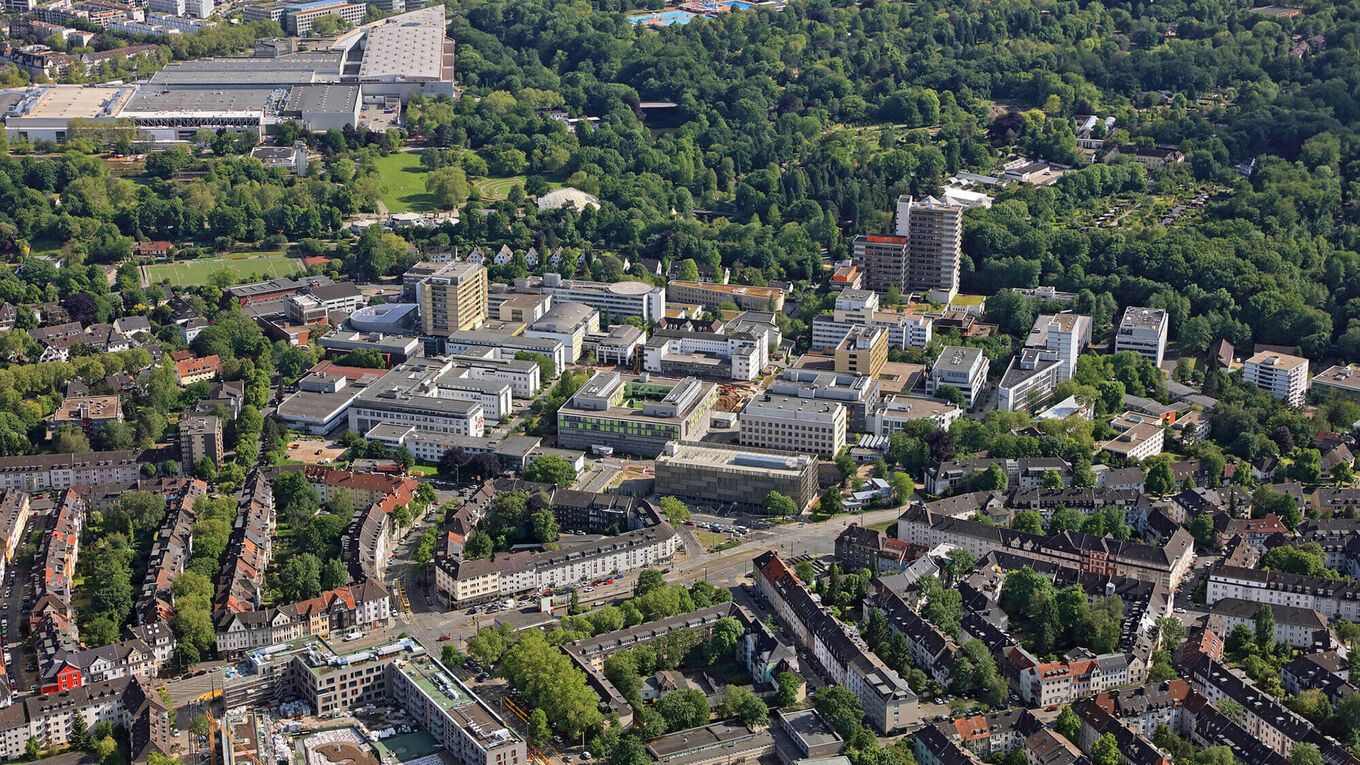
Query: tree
x,y
1029,521
550,469
787,694
780,505
674,510
300,578
32,748
334,574
1105,751
1052,479
449,186
1068,724
1305,753
1265,626
68,439
630,751
845,465
992,479
648,580
1172,632
80,733
683,709
741,703
1160,481
478,545
903,487
539,732
724,638
831,502
544,526
952,395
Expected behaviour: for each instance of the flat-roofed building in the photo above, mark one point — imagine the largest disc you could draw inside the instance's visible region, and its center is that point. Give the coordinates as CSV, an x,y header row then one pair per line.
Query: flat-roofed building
x,y
200,437
87,413
393,348
962,368
738,475
567,322
1066,334
712,294
634,415
615,300
620,345
1139,436
298,19
792,423
453,299
882,259
420,393
863,351
894,413
1029,380
1283,376
1342,378
1143,331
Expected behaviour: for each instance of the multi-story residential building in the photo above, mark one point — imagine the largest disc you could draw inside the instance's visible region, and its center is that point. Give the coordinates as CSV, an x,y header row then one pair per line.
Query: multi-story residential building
x,y
712,295
567,322
399,673
1302,628
635,416
15,510
250,548
931,650
1029,380
1066,334
934,232
858,547
730,474
616,300
42,472
364,488
863,351
1166,564
200,437
1283,376
429,394
734,356
1333,598
882,259
1078,674
894,413
127,702
889,705
170,551
87,413
453,299
962,368
1143,331
1327,671
350,610
190,371
790,423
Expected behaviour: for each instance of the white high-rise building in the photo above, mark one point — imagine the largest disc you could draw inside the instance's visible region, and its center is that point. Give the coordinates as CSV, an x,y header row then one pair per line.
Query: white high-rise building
x,y
1066,334
1143,331
1283,376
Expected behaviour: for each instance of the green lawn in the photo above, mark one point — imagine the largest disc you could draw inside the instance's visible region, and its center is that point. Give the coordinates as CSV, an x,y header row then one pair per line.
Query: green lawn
x,y
196,272
492,189
404,183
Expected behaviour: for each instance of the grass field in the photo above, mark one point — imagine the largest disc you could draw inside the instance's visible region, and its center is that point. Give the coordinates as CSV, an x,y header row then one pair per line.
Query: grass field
x,y
497,188
196,272
404,183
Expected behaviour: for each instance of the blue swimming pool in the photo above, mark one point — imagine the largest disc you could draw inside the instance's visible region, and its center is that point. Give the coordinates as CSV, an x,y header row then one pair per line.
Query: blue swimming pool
x,y
663,18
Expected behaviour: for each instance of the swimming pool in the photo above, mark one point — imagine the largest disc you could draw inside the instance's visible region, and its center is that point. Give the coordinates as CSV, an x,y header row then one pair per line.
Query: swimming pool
x,y
663,18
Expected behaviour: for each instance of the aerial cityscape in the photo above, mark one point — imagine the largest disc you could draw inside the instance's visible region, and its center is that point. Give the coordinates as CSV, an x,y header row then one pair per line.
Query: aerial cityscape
x,y
802,382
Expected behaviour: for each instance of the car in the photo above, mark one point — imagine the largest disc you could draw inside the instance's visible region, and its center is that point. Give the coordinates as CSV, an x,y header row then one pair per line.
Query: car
x,y
443,638
1178,610
1051,708
689,523
567,758
585,755
557,738
471,611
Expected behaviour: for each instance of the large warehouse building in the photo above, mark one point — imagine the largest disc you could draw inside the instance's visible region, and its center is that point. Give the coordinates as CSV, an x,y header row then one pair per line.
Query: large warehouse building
x,y
388,59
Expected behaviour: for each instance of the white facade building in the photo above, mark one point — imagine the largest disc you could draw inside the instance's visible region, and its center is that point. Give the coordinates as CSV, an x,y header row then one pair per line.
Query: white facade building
x,y
1066,334
1283,376
961,367
1143,331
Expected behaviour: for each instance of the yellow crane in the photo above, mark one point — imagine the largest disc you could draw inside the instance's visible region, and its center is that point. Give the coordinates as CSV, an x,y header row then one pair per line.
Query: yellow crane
x,y
213,726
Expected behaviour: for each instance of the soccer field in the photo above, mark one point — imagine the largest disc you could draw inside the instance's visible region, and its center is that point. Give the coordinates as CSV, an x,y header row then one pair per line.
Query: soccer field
x,y
192,273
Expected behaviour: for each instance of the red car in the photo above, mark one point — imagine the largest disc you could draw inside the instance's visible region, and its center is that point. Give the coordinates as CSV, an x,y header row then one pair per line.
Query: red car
x,y
442,638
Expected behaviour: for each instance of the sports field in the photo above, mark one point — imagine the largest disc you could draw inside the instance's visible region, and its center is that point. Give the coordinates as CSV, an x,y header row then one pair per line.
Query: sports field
x,y
403,182
190,273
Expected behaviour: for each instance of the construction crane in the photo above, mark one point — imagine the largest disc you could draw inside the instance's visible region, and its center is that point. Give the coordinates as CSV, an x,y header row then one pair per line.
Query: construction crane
x,y
213,726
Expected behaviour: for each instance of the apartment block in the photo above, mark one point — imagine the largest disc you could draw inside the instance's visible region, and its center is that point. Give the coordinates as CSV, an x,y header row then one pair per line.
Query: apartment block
x,y
863,351
729,474
888,703
962,368
200,436
1143,331
87,413
713,294
1065,334
790,423
1283,376
934,232
453,299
